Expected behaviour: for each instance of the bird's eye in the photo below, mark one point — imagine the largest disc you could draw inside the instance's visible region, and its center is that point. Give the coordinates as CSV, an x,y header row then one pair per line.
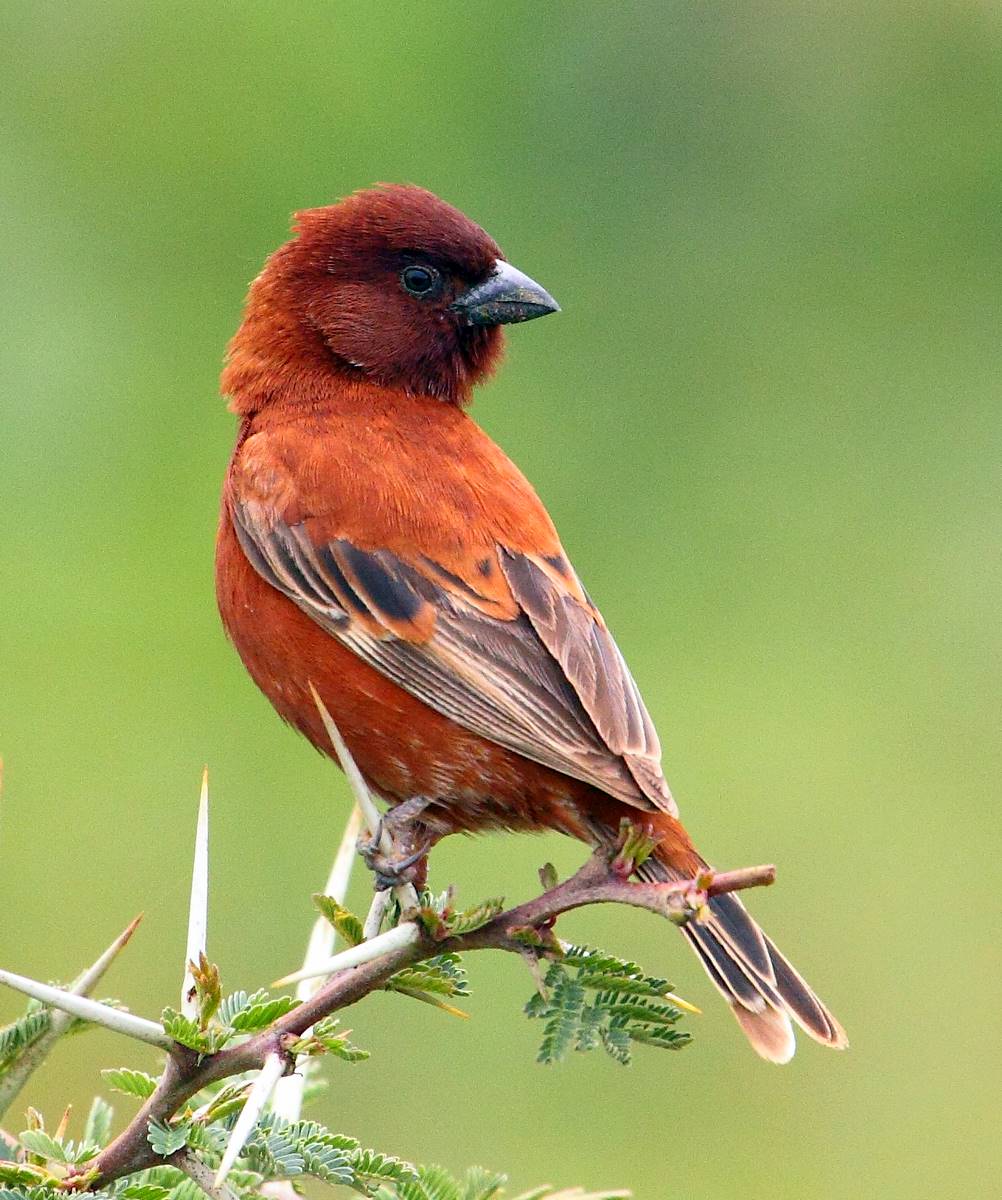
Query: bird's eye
x,y
419,281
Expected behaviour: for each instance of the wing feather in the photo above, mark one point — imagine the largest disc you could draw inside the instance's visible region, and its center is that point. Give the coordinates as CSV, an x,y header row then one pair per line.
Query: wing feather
x,y
541,676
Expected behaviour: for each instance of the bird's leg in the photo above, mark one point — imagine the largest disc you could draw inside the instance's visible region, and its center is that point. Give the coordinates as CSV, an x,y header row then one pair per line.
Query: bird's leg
x,y
403,860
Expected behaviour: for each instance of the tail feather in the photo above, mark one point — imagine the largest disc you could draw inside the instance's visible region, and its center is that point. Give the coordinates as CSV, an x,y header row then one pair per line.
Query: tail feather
x,y
811,1014
758,982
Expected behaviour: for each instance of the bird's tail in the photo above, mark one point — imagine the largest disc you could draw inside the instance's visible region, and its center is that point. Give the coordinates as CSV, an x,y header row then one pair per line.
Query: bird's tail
x,y
762,988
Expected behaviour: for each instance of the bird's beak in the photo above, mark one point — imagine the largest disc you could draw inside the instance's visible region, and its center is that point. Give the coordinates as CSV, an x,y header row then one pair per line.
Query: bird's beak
x,y
504,297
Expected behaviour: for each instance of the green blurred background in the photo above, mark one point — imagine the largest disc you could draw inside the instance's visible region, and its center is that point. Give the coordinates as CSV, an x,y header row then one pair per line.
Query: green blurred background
x,y
766,422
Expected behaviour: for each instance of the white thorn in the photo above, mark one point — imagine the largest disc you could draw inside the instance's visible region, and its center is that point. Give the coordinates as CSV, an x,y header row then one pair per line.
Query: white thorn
x,y
288,1098
198,908
90,1010
323,935
406,894
19,1071
377,910
264,1085
393,939
358,785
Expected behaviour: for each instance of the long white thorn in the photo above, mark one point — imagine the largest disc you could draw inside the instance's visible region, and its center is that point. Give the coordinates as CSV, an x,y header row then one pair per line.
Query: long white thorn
x,y
264,1085
323,936
198,907
90,1010
406,893
393,939
18,1074
358,785
288,1098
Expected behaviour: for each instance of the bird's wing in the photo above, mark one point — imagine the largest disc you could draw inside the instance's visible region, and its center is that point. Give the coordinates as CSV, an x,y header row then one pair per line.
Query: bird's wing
x,y
511,650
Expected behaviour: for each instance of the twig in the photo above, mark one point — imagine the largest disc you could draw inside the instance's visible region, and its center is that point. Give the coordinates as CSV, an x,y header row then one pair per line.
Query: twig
x,y
195,1169
32,1058
371,965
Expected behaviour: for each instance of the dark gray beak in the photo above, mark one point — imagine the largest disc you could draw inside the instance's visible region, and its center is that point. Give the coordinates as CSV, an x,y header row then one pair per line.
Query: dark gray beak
x,y
505,297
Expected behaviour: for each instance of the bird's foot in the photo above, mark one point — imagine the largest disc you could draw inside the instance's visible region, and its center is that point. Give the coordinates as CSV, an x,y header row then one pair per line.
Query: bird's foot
x,y
398,852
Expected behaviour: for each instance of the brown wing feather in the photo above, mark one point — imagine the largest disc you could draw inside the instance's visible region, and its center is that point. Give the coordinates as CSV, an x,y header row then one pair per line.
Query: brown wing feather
x,y
574,633
541,676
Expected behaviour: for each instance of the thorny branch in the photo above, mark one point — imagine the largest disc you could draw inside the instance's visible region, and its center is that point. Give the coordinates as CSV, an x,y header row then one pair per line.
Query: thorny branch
x,y
602,880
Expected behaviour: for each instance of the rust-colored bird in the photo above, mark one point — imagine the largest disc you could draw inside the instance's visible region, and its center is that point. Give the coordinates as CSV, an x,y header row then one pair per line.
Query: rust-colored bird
x,y
375,542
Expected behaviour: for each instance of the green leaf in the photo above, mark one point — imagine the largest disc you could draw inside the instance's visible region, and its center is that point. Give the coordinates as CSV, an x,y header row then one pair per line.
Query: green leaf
x,y
626,1006
162,1175
260,1016
132,1083
234,1003
548,876
480,1184
617,1043
145,1191
338,1047
635,846
37,1141
187,1189
20,1034
474,918
589,1034
226,1101
667,1039
21,1174
187,1032
443,975
433,1183
208,990
325,1033
635,985
43,1192
348,926
168,1139
370,1165
97,1129
326,1163
642,1009
561,1029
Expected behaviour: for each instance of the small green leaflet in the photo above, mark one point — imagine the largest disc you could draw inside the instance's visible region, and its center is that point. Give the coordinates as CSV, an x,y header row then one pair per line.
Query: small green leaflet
x,y
132,1083
20,1034
145,1191
168,1139
37,1141
592,999
97,1130
475,917
182,1029
260,1016
344,921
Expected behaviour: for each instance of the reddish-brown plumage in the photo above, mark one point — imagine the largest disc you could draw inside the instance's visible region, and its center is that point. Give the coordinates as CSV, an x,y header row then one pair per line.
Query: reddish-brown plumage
x,y
376,543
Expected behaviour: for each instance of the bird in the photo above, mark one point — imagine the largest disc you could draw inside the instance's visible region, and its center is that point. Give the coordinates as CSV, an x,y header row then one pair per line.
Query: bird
x,y
376,545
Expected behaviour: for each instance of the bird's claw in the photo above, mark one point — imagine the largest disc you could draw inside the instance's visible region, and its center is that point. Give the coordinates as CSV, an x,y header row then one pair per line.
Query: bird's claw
x,y
403,859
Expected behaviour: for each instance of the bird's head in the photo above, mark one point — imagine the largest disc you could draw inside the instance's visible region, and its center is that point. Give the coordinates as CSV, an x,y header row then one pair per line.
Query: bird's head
x,y
398,287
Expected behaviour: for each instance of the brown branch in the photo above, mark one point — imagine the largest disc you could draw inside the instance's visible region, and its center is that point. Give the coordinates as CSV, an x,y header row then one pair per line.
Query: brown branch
x,y
599,881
